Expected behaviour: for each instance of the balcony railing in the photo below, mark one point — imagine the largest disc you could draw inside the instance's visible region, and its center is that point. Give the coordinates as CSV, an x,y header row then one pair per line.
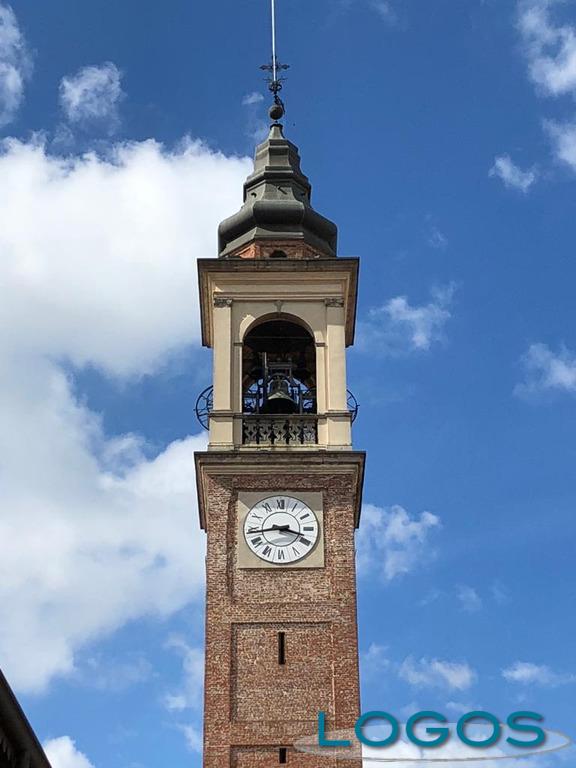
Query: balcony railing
x,y
300,429
205,402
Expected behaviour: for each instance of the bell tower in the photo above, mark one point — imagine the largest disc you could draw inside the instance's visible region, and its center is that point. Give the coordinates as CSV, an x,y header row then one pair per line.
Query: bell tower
x,y
279,486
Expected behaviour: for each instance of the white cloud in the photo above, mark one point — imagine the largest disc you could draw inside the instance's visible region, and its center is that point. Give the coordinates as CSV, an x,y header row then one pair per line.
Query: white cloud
x,y
433,673
420,673
384,9
550,49
189,696
407,710
115,674
470,600
437,239
526,673
461,709
548,371
398,328
257,128
549,46
252,98
432,596
391,542
15,65
375,660
500,594
193,736
563,136
93,94
95,530
62,753
107,274
511,175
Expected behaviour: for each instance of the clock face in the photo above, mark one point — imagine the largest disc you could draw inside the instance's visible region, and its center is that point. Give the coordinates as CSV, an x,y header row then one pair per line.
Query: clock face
x,y
281,530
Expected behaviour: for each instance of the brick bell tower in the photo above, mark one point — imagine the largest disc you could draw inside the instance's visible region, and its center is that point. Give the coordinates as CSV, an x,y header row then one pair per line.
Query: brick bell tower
x,y
279,486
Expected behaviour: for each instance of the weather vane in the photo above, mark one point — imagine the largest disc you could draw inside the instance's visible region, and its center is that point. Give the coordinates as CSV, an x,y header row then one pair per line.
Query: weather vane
x,y
275,81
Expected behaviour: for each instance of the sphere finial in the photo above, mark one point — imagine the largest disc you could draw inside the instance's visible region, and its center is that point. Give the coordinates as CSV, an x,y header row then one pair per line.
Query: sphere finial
x,y
276,112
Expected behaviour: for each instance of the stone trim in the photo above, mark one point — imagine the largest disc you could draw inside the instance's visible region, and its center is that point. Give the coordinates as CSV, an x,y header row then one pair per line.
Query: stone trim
x,y
213,463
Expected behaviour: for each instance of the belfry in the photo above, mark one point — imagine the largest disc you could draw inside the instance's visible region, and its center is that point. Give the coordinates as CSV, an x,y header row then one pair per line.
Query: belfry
x,y
279,486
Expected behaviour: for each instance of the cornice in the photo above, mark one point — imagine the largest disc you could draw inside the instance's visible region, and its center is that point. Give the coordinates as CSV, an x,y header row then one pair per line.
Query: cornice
x,y
322,463
293,271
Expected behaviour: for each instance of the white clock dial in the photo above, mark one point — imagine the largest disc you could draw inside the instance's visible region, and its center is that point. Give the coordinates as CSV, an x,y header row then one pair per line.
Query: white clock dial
x,y
281,530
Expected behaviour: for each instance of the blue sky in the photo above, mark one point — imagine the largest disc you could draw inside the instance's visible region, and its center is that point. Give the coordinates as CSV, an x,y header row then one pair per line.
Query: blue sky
x,y
441,136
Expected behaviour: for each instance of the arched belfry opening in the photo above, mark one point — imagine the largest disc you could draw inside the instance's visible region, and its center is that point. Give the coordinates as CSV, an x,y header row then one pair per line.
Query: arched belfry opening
x,y
279,368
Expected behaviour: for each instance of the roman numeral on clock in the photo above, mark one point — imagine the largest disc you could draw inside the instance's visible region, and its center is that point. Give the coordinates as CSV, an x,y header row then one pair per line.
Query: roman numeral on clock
x,y
281,530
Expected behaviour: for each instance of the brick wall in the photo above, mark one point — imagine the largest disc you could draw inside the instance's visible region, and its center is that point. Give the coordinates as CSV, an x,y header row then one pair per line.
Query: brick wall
x,y
294,249
253,704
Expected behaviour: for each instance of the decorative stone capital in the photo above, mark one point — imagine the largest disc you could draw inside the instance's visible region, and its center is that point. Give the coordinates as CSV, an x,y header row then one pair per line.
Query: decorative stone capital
x,y
221,301
334,302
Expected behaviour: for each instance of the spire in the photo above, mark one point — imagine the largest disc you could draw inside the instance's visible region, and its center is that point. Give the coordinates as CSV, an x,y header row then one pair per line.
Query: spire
x,y
275,80
277,217
277,206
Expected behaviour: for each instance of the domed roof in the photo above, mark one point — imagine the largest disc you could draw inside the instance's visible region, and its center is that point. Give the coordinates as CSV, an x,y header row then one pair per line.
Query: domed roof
x,y
277,203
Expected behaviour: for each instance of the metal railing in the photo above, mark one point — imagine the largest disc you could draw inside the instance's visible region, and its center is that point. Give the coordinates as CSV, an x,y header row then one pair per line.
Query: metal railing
x,y
299,429
205,403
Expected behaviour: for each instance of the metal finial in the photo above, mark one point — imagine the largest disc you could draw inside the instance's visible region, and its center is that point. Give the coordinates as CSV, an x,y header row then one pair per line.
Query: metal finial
x,y
277,109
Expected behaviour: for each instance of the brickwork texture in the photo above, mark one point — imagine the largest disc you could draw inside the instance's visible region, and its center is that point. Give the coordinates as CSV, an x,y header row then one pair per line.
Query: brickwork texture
x,y
255,707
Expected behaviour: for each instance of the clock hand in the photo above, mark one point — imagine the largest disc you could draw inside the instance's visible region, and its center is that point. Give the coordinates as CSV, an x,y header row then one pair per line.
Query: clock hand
x,y
280,528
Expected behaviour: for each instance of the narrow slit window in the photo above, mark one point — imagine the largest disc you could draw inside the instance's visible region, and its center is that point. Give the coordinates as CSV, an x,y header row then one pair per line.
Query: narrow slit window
x,y
282,755
281,647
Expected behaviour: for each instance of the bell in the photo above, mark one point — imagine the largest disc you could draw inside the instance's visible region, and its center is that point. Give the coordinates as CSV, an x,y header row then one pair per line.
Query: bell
x,y
279,400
